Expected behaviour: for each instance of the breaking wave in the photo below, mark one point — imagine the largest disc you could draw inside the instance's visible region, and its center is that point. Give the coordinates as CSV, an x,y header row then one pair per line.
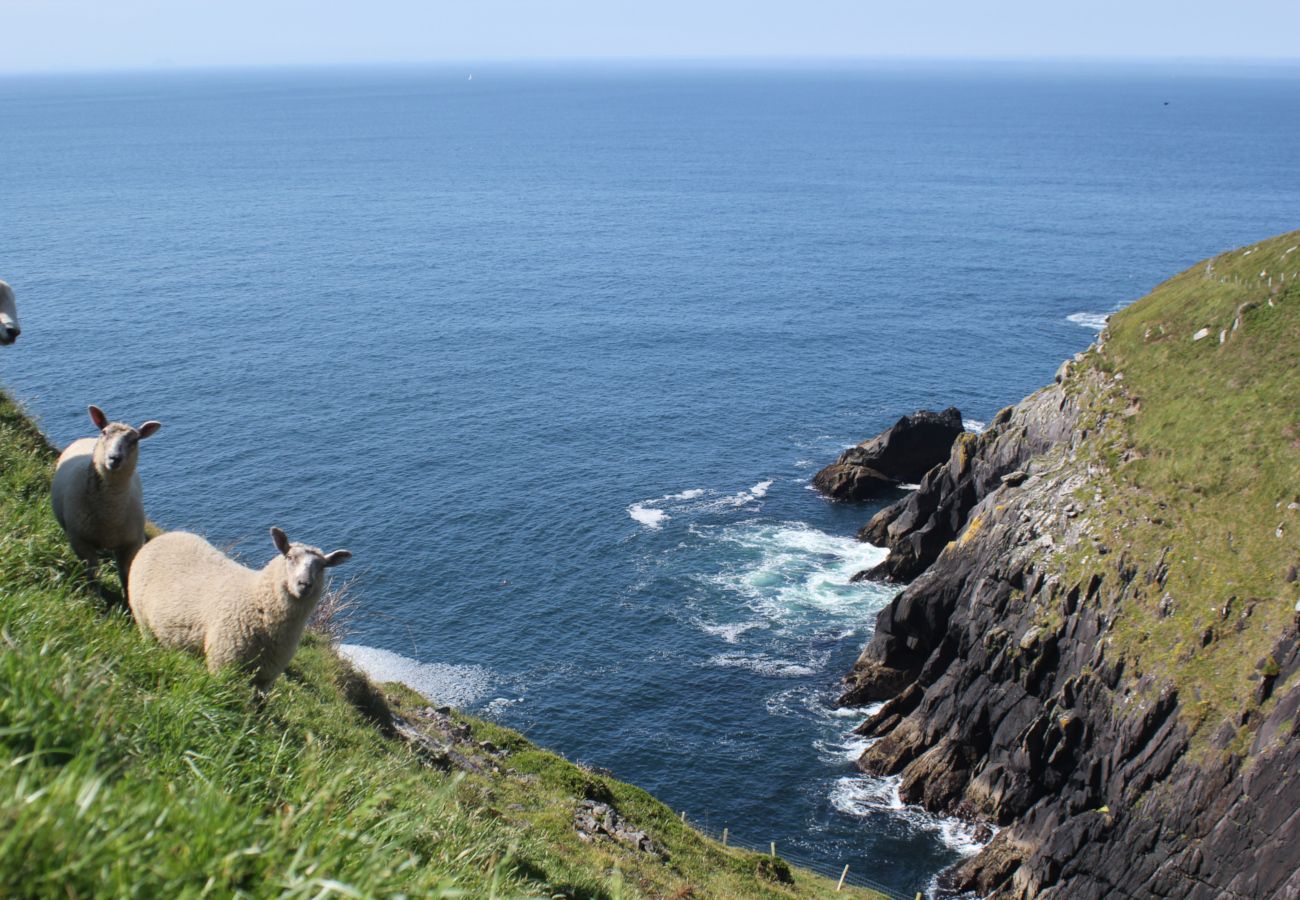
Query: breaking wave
x,y
864,796
788,571
695,501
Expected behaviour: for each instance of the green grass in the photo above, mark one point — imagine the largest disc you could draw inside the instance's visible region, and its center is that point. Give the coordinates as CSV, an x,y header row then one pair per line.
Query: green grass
x,y
129,770
1200,447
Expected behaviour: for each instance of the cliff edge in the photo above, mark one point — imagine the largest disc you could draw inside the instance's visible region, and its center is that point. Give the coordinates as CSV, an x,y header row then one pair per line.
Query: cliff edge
x,y
128,770
1099,650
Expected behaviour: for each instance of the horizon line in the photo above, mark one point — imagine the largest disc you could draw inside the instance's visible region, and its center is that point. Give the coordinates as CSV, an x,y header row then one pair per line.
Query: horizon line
x,y
164,65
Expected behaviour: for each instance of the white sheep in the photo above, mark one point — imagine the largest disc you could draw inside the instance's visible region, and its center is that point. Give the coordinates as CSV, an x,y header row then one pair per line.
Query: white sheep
x,y
9,329
96,493
189,594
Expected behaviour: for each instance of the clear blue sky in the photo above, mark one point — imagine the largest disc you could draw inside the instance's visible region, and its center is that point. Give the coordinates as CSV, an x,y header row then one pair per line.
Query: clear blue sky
x,y
53,35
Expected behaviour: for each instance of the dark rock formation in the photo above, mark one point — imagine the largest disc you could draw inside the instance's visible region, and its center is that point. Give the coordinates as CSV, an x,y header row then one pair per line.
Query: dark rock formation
x,y
1007,703
600,821
920,525
904,452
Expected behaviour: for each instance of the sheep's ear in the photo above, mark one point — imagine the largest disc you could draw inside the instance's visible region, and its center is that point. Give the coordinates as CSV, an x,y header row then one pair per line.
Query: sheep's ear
x,y
97,416
281,540
337,557
148,428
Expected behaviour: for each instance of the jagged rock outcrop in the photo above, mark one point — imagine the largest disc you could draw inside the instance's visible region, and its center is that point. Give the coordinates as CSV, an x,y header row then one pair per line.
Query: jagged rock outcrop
x,y
1127,720
902,453
918,527
597,821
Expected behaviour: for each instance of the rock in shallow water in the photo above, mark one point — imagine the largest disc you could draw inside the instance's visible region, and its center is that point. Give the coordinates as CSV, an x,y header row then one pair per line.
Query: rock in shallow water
x,y
904,452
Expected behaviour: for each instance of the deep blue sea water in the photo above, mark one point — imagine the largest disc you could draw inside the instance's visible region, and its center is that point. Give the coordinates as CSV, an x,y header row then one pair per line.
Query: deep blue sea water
x,y
555,352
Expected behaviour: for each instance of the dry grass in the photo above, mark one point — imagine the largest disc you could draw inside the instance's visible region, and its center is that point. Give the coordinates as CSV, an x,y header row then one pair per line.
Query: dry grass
x,y
336,612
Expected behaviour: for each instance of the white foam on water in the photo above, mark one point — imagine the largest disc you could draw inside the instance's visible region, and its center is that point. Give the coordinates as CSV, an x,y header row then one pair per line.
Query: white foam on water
x,y
846,748
790,571
458,686
842,745
498,705
731,631
975,426
1095,321
761,664
857,712
960,836
856,745
862,796
693,501
910,487
650,518
737,500
789,702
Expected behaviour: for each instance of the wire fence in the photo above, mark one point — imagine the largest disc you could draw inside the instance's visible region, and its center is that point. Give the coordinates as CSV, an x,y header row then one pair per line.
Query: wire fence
x,y
842,875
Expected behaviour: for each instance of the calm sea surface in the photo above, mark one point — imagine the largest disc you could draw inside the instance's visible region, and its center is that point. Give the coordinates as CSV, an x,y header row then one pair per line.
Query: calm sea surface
x,y
556,351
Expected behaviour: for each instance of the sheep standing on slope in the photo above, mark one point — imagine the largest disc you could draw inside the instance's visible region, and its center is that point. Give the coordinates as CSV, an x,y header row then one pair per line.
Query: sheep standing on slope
x,y
191,595
9,329
96,493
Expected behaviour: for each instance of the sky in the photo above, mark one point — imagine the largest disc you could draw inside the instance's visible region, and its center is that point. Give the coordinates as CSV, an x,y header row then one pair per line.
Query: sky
x,y
71,35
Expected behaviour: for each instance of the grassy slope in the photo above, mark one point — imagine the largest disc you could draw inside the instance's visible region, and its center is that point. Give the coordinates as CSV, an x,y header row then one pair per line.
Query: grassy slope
x,y
1201,449
126,769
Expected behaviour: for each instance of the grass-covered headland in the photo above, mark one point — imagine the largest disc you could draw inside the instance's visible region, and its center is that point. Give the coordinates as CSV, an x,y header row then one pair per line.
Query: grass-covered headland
x,y
129,770
1196,461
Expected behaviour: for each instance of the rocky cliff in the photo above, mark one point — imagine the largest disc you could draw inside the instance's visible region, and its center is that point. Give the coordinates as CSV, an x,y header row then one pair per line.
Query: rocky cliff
x,y
1099,650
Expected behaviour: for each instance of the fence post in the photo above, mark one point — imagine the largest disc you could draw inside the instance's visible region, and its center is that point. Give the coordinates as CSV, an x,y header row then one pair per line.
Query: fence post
x,y
683,815
724,837
774,848
845,874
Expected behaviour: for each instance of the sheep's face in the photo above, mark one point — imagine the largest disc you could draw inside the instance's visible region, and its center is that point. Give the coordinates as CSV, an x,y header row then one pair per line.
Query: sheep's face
x,y
119,443
304,566
9,329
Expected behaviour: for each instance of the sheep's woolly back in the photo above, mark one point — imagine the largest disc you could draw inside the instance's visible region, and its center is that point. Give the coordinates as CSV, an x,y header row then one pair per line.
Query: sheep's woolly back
x,y
178,580
189,594
99,510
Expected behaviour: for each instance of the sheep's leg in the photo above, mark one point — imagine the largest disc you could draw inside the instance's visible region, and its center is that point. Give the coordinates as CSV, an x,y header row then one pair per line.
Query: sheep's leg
x,y
89,557
217,652
124,557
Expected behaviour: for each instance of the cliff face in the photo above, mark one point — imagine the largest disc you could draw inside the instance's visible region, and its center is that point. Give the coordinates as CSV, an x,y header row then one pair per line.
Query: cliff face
x,y
1099,649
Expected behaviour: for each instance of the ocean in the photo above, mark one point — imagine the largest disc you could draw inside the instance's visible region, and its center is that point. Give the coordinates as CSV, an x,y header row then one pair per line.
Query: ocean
x,y
556,350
